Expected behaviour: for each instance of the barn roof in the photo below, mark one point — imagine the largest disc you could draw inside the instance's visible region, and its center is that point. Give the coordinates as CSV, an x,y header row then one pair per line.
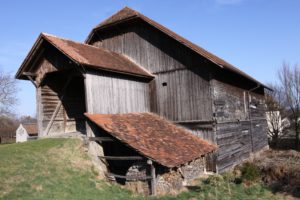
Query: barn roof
x,y
90,56
154,137
31,129
127,14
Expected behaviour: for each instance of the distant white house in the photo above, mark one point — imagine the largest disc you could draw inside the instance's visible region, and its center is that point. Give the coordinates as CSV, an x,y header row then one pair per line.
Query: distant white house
x,y
26,132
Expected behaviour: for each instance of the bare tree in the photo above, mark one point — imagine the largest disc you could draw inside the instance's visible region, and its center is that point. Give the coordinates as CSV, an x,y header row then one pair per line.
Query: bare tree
x,y
289,79
8,91
276,112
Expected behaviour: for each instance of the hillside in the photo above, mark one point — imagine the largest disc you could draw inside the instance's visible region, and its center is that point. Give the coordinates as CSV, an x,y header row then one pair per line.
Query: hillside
x,y
51,169
61,169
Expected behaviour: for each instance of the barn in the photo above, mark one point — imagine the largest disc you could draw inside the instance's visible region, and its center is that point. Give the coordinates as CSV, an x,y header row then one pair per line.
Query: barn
x,y
144,94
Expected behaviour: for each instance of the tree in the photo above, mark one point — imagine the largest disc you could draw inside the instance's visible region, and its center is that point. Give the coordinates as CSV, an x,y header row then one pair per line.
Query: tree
x,y
8,91
289,83
277,127
26,119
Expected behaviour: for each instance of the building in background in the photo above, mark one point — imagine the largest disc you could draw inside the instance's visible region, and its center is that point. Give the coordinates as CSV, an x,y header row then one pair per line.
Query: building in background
x,y
26,132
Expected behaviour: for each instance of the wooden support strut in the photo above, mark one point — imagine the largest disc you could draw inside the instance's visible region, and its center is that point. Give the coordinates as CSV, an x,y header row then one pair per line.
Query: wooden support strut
x,y
29,76
58,106
102,139
130,178
121,157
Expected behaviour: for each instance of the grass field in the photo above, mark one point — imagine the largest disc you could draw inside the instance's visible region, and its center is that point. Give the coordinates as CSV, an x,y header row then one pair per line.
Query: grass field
x,y
61,169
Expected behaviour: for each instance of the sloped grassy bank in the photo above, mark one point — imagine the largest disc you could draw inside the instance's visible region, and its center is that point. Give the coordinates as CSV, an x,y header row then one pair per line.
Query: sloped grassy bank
x,y
61,169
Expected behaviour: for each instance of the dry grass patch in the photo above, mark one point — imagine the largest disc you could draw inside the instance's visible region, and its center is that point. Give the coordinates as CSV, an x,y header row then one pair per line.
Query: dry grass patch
x,y
281,171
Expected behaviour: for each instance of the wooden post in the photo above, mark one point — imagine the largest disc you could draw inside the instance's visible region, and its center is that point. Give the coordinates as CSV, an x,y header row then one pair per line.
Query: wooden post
x,y
121,157
153,178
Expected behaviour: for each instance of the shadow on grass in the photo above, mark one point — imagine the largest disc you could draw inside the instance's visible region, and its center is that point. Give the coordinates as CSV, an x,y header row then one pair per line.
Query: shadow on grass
x,y
278,187
194,188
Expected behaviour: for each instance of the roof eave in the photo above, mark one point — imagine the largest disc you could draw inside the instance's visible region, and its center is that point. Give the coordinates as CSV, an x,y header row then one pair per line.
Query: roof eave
x,y
101,68
32,51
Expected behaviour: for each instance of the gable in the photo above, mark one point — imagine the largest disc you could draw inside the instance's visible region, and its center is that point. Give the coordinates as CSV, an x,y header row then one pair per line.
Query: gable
x,y
127,15
82,55
148,47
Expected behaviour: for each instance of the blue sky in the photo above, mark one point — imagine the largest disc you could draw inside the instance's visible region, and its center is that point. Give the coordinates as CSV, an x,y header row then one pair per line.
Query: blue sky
x,y
254,35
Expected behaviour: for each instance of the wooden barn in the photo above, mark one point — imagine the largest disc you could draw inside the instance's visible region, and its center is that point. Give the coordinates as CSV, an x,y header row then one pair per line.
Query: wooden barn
x,y
131,77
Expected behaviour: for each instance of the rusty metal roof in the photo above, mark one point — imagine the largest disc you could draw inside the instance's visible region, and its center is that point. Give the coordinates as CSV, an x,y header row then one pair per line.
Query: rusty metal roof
x,y
94,57
154,137
31,129
127,14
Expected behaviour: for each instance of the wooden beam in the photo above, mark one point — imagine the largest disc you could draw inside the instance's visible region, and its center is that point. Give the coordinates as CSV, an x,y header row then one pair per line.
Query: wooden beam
x,y
102,139
29,74
53,117
58,105
32,81
121,157
153,178
130,178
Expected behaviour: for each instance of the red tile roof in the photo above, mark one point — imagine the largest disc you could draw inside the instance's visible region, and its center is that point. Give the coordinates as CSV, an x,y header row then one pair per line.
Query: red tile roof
x,y
154,137
128,13
31,129
87,55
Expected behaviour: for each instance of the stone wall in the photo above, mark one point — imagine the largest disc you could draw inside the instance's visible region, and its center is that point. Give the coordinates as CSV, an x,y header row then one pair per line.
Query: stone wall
x,y
167,180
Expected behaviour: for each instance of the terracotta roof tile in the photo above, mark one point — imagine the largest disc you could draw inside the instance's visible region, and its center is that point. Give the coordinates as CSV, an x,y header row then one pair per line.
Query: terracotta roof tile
x,y
154,137
97,57
88,55
128,13
31,129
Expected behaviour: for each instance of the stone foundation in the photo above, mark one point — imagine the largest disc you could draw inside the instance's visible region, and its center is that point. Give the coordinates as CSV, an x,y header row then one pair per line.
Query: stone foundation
x,y
167,180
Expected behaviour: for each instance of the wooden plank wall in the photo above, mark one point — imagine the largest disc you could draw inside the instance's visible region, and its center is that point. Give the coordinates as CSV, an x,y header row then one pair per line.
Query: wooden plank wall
x,y
203,130
234,141
112,93
238,133
70,115
259,122
229,102
49,100
147,47
186,95
52,71
183,95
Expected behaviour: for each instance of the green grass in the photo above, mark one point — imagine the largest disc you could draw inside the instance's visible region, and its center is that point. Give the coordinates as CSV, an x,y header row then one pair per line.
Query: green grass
x,y
51,169
60,169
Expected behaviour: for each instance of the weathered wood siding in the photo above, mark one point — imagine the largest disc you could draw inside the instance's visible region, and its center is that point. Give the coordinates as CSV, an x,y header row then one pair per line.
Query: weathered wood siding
x,y
205,131
112,93
259,134
234,141
229,102
183,95
239,132
258,121
147,47
53,71
180,91
70,115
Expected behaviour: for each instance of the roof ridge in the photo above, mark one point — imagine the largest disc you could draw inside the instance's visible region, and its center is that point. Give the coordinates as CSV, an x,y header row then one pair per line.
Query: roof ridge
x,y
194,47
126,8
85,44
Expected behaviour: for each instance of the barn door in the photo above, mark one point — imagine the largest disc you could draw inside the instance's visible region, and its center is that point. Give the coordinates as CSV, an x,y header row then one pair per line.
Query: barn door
x,y
211,162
